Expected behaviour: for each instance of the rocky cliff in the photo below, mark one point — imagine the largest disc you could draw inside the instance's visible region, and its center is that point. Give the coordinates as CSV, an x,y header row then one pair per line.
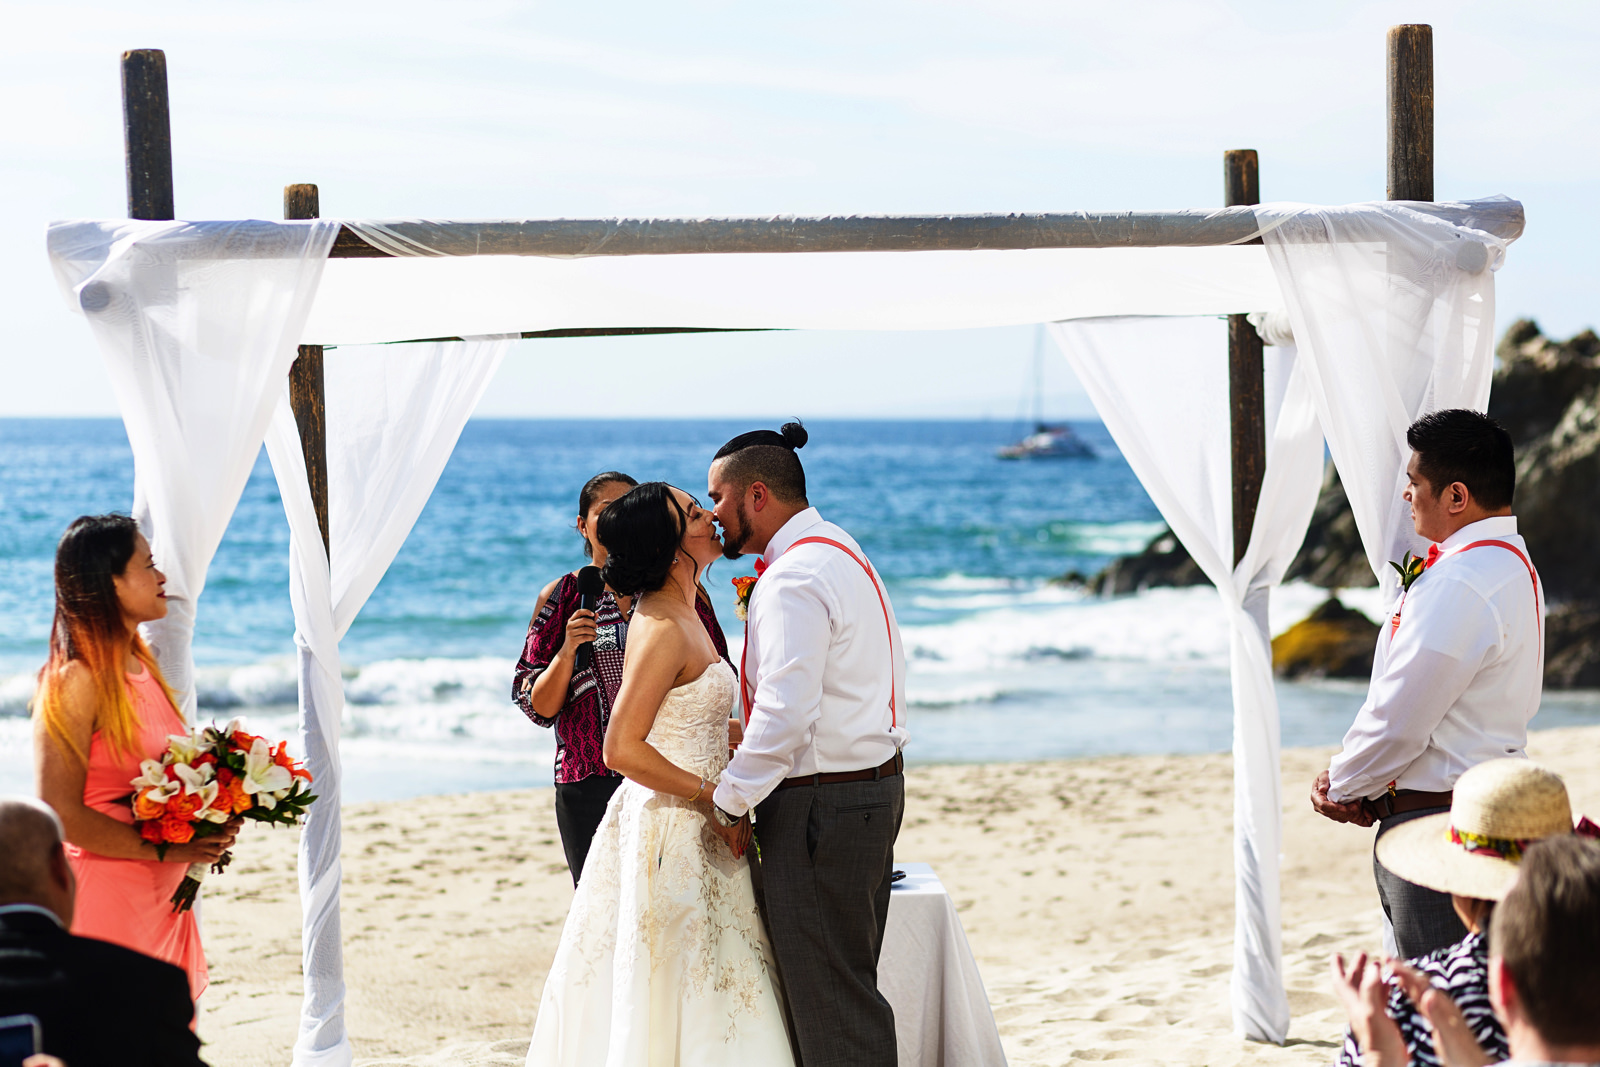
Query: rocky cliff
x,y
1547,394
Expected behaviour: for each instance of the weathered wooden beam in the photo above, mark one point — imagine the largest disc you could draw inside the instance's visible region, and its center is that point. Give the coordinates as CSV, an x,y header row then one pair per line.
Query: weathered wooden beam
x,y
306,396
1410,158
1247,395
834,233
147,134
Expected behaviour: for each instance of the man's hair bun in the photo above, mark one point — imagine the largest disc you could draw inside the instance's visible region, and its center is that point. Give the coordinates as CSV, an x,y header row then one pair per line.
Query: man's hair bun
x,y
794,435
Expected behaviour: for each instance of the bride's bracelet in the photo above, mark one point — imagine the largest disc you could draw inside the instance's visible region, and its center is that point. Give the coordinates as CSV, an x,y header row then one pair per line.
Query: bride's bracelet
x,y
697,792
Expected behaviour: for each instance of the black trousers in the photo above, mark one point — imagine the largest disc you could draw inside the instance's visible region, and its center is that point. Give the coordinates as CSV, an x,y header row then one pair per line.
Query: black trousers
x,y
825,858
1423,919
580,806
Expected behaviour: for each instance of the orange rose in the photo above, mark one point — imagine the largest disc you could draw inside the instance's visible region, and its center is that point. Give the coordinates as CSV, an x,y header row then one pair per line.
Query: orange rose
x,y
151,832
183,807
241,740
240,801
145,808
177,831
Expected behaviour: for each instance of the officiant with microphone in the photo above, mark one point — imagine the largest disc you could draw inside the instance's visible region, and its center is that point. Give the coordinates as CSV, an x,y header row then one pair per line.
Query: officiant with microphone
x,y
571,669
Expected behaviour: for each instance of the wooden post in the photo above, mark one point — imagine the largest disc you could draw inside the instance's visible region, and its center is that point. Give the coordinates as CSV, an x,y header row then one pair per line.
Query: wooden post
x,y
1246,387
1410,170
306,394
147,134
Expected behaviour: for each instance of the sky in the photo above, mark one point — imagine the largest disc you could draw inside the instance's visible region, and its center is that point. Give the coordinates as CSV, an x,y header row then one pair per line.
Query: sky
x,y
474,109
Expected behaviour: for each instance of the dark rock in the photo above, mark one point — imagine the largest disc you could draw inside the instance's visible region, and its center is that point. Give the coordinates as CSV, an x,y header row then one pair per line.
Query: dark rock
x,y
1572,646
1164,561
1332,642
1331,556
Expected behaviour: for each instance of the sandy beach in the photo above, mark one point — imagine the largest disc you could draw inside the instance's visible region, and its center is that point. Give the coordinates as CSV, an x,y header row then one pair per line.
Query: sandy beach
x,y
1097,896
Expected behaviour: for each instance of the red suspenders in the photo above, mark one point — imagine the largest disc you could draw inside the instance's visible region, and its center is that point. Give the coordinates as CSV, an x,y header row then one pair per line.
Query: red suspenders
x,y
744,678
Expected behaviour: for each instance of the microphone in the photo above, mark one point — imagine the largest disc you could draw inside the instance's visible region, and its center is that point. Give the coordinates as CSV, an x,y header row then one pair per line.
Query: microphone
x,y
590,587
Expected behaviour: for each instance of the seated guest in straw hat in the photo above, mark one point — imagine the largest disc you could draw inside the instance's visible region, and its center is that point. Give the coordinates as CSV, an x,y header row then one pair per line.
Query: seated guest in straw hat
x,y
1471,853
1459,666
1544,971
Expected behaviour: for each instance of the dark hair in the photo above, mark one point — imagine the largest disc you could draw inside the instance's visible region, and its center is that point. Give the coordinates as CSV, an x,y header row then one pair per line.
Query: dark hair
x,y
768,456
641,530
1547,930
590,490
89,628
1458,445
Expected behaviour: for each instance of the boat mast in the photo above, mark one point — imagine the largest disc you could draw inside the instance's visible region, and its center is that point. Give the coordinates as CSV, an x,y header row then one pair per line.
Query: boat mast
x,y
1038,378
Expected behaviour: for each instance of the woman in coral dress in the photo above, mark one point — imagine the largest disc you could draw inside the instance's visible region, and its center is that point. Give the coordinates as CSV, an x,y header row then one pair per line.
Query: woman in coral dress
x,y
102,707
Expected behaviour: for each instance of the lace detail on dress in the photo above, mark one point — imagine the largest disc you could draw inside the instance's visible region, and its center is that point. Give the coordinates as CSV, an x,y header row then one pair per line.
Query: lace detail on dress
x,y
665,908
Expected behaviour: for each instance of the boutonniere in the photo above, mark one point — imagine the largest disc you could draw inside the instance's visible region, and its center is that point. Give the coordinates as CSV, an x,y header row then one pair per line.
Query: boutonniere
x,y
1409,568
742,588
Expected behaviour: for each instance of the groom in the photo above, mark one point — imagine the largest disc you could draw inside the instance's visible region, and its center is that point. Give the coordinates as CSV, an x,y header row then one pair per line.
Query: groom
x,y
823,676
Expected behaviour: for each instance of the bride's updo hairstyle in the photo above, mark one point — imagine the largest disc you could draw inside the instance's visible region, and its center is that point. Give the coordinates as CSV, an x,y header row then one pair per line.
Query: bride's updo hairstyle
x,y
767,456
641,530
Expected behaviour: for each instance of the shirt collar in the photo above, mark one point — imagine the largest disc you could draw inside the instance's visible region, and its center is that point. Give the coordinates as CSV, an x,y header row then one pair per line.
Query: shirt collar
x,y
15,909
1493,527
789,533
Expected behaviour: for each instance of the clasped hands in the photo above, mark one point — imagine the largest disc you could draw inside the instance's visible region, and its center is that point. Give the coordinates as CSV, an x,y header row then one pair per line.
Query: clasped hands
x,y
1351,811
737,836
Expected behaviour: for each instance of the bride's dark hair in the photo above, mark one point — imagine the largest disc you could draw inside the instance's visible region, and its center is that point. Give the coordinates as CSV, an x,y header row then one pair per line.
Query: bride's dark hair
x,y
641,530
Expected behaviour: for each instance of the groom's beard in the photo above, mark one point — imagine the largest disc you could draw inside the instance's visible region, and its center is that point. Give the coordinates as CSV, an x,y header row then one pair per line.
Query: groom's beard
x,y
734,537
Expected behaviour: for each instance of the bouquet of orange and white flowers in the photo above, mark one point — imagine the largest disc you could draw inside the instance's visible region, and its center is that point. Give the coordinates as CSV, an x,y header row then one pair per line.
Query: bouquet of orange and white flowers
x,y
205,779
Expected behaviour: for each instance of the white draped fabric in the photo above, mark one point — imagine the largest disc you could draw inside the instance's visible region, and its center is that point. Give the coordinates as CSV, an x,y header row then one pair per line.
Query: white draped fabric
x,y
1393,310
393,417
1161,385
367,300
198,325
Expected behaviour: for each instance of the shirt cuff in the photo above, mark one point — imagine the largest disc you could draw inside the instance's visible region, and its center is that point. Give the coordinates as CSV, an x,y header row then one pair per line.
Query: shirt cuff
x,y
725,798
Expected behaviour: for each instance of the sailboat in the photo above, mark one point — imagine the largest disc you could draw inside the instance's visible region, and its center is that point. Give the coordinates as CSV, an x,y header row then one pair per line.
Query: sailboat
x,y
1048,440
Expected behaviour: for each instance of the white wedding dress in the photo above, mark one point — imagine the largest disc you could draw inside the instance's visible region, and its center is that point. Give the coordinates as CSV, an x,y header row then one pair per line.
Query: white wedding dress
x,y
664,960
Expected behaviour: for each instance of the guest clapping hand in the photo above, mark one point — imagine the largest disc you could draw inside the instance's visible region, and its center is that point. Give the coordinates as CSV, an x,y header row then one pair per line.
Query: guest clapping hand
x,y
102,707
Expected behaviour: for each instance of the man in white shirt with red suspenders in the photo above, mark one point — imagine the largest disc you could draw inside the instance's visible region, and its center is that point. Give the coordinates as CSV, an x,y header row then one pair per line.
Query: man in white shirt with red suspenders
x,y
1459,666
823,681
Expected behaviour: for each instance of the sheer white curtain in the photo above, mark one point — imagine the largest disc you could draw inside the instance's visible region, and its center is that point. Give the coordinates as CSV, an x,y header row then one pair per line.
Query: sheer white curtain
x,y
1161,385
393,417
1392,309
198,323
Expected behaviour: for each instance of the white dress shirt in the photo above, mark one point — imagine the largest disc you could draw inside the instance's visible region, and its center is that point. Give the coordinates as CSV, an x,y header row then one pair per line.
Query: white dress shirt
x,y
1457,683
822,666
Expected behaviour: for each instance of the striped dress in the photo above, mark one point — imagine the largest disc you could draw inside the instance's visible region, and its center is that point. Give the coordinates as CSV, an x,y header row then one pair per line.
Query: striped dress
x,y
1462,971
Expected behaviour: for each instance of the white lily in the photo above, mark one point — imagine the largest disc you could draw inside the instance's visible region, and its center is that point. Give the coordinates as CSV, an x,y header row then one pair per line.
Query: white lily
x,y
194,779
152,775
263,777
185,748
208,796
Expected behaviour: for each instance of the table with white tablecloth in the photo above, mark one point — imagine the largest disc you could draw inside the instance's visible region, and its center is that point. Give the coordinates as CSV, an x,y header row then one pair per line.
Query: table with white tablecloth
x,y
927,973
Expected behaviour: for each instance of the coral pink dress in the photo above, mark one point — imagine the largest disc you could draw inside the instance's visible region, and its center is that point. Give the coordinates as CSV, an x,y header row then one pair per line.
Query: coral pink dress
x,y
129,902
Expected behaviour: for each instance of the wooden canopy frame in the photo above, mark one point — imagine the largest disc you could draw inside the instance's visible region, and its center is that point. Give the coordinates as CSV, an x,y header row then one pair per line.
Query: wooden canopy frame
x,y
148,143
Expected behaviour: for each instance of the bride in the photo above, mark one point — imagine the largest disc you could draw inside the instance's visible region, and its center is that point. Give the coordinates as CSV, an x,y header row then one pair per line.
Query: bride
x,y
663,959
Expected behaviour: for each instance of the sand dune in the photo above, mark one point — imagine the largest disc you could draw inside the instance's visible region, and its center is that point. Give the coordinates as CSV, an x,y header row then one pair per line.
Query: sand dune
x,y
1097,896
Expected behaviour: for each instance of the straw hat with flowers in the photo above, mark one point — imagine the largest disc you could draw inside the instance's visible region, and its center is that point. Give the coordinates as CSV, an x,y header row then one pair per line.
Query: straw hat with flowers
x,y
1499,809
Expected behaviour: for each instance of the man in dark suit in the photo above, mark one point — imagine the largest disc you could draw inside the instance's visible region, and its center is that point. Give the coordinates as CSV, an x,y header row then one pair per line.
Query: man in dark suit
x,y
97,1003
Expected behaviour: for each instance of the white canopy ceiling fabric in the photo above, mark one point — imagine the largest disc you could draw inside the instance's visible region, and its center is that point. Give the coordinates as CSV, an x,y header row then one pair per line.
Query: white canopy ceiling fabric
x,y
393,416
1393,309
198,324
1161,385
373,300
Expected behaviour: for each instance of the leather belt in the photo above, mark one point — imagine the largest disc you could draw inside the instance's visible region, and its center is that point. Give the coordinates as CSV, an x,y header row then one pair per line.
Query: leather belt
x,y
1391,804
889,769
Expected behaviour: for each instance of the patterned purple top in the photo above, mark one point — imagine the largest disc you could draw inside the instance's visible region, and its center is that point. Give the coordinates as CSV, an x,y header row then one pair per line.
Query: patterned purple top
x,y
580,725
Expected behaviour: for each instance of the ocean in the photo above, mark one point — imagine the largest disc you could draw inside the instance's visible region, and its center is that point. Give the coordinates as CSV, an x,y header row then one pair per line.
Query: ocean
x,y
1005,662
